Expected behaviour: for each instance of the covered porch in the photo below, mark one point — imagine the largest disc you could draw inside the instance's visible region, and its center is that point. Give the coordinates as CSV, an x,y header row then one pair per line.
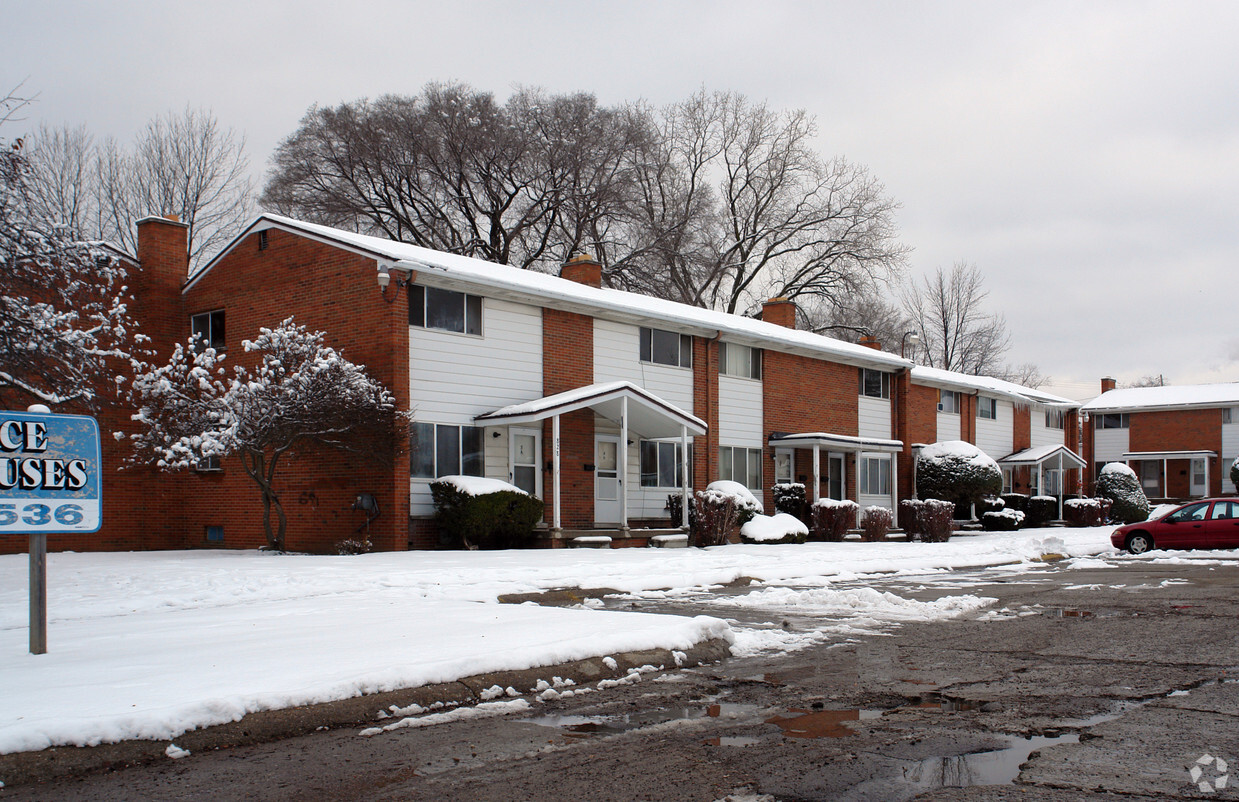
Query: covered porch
x,y
1157,484
1037,458
632,413
877,477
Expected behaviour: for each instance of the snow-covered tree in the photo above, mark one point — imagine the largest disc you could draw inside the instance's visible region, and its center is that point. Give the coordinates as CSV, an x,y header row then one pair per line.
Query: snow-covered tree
x,y
301,396
1118,482
63,315
954,470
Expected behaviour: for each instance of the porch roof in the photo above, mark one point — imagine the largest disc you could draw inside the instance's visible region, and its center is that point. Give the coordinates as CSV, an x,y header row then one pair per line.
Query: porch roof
x,y
838,442
1168,454
1039,455
649,416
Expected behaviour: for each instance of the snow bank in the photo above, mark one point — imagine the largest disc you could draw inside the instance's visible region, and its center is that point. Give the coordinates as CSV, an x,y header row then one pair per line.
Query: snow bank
x,y
773,527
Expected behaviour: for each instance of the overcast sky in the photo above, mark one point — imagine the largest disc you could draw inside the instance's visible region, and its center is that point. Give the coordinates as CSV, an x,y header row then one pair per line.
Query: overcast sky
x,y
1084,155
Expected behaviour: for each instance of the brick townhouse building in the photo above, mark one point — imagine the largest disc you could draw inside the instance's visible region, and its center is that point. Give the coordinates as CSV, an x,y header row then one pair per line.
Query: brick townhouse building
x,y
601,402
1180,440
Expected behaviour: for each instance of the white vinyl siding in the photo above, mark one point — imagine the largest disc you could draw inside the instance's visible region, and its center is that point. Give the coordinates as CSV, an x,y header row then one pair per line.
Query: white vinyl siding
x,y
996,437
948,426
453,378
873,417
1041,435
617,349
739,410
1109,445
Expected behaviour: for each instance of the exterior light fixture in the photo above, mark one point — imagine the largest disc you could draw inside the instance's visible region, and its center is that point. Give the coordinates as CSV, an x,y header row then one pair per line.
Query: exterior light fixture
x,y
384,278
909,338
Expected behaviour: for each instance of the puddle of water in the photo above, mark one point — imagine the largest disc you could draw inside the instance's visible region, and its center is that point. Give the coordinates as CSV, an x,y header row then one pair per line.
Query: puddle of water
x,y
947,704
821,723
997,767
1059,612
588,726
733,740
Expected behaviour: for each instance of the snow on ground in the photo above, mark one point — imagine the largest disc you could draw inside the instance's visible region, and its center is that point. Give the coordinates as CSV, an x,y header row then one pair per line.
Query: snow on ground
x,y
152,644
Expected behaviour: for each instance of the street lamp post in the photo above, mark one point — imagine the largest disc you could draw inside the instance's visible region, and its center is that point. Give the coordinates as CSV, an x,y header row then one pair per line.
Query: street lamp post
x,y
909,337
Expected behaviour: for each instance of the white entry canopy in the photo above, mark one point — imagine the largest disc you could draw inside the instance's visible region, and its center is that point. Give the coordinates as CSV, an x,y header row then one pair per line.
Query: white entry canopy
x,y
1039,455
836,442
649,416
1142,455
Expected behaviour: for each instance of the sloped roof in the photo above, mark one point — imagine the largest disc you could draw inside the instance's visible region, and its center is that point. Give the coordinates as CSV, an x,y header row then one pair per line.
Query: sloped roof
x,y
951,380
555,292
1185,396
1041,454
648,415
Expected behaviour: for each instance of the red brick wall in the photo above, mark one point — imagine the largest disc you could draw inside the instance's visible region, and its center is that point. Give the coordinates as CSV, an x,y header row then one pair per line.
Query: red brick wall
x,y
921,416
705,406
801,394
568,363
331,290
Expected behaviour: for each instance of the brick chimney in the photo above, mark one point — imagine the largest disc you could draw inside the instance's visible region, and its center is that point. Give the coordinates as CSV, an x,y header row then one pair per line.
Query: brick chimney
x,y
1107,384
583,269
869,341
163,258
779,311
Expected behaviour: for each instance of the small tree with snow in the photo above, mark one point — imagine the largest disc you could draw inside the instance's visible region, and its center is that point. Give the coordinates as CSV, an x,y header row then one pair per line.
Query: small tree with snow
x,y
302,396
1118,483
1234,474
957,471
64,325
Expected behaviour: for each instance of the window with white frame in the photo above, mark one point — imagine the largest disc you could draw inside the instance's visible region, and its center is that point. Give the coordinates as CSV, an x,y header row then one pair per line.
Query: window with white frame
x,y
1110,420
1228,415
741,465
445,310
666,348
784,467
875,383
987,408
1006,480
948,401
739,360
437,449
208,329
875,476
660,464
1054,418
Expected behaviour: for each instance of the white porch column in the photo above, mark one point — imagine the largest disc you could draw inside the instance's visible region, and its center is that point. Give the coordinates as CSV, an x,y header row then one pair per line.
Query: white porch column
x,y
817,472
623,462
555,520
1207,485
856,484
1040,479
894,490
1062,485
1166,479
686,477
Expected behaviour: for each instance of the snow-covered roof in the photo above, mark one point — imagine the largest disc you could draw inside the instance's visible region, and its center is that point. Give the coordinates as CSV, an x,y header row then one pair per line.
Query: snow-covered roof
x,y
457,272
648,415
1168,454
1038,455
1148,399
840,441
951,380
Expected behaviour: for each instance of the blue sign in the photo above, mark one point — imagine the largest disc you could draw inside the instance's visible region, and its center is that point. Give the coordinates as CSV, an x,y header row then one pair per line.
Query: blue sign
x,y
49,473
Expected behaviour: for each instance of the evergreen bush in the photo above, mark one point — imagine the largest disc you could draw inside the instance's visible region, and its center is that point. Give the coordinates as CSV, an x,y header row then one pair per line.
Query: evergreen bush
x,y
1118,483
1015,501
501,519
1001,520
1041,510
910,517
831,519
957,471
875,522
789,497
1082,512
937,520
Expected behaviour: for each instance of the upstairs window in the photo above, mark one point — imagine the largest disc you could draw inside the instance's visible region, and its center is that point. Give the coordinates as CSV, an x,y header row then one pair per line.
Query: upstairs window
x,y
1054,418
739,360
987,408
741,465
1110,420
208,329
446,310
875,383
666,348
436,449
948,401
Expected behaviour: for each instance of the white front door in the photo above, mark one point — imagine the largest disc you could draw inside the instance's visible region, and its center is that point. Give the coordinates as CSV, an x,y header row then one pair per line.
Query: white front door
x,y
607,484
1199,484
524,453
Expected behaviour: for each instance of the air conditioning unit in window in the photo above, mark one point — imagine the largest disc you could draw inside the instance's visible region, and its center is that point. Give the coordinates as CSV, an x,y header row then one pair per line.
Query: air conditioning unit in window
x,y
939,407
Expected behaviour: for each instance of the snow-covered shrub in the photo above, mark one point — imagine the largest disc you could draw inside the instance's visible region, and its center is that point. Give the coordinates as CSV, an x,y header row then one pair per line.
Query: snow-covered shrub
x,y
875,522
789,497
771,529
716,517
1082,512
937,520
1234,473
1041,510
1001,520
354,546
910,517
1118,483
1015,501
748,504
957,471
484,513
990,504
831,519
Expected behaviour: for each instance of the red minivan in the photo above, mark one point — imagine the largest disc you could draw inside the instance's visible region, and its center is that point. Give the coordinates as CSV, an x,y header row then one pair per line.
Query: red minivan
x,y
1211,523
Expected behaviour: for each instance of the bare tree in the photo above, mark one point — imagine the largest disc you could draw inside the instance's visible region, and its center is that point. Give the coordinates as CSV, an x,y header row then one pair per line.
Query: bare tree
x,y
865,314
303,396
1025,374
1148,381
956,332
62,179
183,164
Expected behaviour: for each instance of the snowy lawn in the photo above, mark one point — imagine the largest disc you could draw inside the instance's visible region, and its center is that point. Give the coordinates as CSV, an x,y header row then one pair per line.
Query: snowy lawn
x,y
152,644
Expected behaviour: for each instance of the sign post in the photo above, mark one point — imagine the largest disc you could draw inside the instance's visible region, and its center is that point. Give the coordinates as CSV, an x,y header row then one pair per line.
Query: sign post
x,y
49,482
